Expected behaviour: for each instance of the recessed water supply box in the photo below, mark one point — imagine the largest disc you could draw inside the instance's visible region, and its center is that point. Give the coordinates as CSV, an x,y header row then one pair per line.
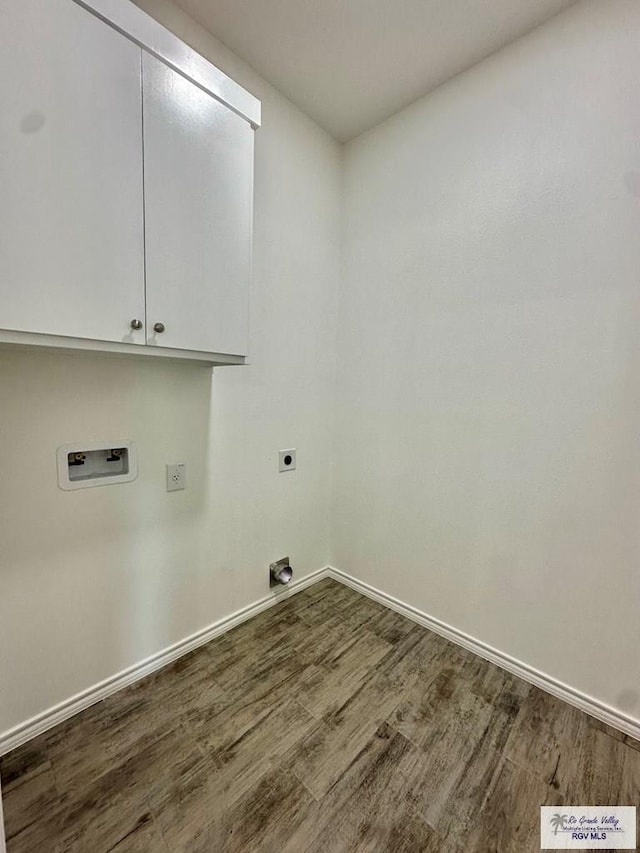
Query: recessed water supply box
x,y
280,572
83,465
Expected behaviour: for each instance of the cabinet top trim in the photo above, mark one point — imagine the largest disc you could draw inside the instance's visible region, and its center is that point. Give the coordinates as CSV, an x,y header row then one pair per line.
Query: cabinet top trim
x,y
141,28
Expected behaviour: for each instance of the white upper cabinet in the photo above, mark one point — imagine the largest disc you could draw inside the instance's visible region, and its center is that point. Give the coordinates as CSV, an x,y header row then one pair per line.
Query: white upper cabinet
x,y
126,186
71,218
198,180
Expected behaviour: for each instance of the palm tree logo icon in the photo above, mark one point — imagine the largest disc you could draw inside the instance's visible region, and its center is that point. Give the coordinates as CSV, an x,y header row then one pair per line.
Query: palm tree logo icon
x,y
558,821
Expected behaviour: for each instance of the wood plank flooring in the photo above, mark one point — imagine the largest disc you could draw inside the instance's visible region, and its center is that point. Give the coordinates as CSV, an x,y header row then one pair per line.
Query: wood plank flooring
x,y
327,724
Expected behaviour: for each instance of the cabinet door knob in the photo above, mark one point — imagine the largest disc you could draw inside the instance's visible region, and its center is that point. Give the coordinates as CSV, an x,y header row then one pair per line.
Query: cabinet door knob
x,y
136,324
159,328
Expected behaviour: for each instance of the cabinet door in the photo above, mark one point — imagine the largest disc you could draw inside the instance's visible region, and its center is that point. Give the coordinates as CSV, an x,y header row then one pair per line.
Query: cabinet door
x,y
71,212
198,177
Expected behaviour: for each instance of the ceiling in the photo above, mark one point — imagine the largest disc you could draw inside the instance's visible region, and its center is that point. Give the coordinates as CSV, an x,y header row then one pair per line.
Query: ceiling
x,y
349,64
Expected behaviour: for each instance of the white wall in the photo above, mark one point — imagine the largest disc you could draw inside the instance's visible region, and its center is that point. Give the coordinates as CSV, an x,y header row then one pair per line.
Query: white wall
x,y
96,580
488,441
486,446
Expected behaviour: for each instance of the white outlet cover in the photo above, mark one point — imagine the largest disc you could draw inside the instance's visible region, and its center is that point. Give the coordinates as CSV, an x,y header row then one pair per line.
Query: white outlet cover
x,y
287,460
176,477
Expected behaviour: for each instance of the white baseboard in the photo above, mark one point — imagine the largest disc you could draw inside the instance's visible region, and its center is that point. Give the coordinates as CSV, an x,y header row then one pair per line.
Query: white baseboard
x,y
605,713
35,726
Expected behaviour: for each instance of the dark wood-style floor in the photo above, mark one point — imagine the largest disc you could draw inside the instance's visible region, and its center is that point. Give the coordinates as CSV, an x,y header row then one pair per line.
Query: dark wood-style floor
x,y
327,723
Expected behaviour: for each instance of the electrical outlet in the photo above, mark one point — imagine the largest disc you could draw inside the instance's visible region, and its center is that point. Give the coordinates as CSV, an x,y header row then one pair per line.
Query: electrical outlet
x,y
176,477
287,460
